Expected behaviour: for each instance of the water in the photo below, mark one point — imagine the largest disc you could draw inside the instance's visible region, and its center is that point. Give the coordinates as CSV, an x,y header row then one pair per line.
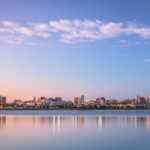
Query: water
x,y
75,112
74,130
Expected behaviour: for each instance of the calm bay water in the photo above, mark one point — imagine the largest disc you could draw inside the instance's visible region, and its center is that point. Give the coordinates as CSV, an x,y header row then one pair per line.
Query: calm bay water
x,y
74,130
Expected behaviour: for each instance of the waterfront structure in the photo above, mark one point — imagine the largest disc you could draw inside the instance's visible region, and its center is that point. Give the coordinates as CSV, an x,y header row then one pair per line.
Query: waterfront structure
x,y
55,101
81,100
30,103
78,100
138,99
74,100
98,102
2,100
142,100
18,102
147,99
41,98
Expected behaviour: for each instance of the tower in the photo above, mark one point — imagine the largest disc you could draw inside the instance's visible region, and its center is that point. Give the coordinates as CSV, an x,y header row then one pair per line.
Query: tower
x,y
81,99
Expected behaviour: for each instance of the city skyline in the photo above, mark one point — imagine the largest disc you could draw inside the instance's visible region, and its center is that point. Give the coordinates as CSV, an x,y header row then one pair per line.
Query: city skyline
x,y
74,99
76,103
66,48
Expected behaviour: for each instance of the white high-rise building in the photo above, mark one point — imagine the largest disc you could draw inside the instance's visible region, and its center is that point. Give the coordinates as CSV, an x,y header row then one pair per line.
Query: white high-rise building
x,y
81,99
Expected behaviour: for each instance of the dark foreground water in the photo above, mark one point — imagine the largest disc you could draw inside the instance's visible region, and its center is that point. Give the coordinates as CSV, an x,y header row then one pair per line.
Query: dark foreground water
x,y
102,130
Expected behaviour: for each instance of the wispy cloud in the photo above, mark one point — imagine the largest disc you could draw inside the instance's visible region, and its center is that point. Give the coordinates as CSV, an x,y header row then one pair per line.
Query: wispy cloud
x,y
4,30
86,30
148,60
123,41
40,26
74,31
11,39
24,31
9,24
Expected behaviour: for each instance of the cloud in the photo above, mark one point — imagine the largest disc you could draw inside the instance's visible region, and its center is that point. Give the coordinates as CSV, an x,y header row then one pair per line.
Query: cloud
x,y
148,60
41,29
12,32
9,24
24,31
74,31
139,30
14,40
123,41
40,26
77,31
62,25
3,30
111,29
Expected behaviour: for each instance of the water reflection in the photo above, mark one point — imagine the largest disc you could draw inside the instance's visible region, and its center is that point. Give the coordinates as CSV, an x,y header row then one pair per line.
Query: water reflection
x,y
61,122
2,121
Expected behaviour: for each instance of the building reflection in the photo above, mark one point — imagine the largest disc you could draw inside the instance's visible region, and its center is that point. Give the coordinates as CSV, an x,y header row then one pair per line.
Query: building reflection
x,y
148,122
77,122
59,122
56,123
2,121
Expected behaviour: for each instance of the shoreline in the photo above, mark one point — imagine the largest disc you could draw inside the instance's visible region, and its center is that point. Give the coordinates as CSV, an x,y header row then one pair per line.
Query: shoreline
x,y
134,109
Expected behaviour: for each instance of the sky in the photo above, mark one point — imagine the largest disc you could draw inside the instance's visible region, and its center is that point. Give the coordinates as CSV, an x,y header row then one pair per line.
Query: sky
x,y
67,48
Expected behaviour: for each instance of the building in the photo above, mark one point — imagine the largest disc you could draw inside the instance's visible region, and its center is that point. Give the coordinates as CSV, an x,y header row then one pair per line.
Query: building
x,y
147,99
92,103
78,100
138,99
2,100
30,103
98,102
55,101
18,102
141,100
81,99
41,98
74,100
102,101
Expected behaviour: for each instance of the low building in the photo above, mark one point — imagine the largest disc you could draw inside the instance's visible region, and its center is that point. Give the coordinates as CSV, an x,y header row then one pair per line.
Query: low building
x,y
30,103
18,102
74,100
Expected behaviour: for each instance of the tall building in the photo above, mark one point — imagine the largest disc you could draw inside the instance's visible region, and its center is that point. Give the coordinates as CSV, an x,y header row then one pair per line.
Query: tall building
x,y
147,99
81,99
103,101
138,99
34,99
98,101
2,100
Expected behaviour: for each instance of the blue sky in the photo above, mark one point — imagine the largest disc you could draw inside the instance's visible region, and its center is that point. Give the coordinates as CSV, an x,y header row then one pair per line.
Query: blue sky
x,y
67,48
